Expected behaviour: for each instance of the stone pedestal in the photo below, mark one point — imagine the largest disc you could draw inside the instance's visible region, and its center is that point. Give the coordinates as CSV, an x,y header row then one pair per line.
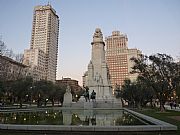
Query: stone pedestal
x,y
117,103
67,118
99,103
89,105
82,99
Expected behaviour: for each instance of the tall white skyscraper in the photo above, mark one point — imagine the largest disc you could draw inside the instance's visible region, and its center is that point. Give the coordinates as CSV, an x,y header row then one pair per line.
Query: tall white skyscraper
x,y
42,55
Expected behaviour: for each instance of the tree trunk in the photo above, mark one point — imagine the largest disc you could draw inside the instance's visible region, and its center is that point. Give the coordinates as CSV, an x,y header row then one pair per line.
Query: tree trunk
x,y
20,103
30,103
122,102
52,102
162,108
151,102
45,102
139,105
38,102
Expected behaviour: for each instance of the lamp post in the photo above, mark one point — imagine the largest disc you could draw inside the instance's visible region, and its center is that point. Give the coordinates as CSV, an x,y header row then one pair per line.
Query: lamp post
x,y
30,94
31,88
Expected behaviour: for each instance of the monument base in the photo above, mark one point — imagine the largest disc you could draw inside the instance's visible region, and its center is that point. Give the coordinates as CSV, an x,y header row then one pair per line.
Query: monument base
x,y
98,103
89,105
67,104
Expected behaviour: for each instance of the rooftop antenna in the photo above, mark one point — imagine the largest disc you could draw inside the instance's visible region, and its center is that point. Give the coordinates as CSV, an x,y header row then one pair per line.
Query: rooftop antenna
x,y
49,3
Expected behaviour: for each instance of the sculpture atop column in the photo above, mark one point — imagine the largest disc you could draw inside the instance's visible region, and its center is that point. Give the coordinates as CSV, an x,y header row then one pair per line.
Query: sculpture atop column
x,y
98,36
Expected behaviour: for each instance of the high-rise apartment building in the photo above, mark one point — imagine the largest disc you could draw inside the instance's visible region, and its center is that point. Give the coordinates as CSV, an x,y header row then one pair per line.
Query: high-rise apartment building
x,y
42,55
118,58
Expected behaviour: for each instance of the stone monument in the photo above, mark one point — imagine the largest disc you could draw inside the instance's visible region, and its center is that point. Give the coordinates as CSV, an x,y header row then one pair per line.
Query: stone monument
x,y
67,97
97,77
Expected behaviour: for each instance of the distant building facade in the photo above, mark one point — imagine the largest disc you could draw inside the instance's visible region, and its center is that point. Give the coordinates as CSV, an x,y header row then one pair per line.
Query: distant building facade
x,y
42,55
12,70
118,58
132,53
36,59
70,82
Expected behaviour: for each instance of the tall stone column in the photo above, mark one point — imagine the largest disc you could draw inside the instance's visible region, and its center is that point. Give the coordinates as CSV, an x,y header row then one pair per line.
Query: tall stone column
x,y
98,75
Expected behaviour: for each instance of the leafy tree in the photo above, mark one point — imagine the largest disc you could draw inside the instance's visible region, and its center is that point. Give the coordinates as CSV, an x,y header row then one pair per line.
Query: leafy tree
x,y
178,92
2,89
117,91
146,93
177,89
59,93
42,91
20,88
128,93
160,72
137,94
6,91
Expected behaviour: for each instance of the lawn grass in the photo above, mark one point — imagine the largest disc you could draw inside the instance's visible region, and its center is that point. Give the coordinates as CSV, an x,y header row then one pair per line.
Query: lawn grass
x,y
164,116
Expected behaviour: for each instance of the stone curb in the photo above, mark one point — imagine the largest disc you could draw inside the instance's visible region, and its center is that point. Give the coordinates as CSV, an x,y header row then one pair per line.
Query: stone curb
x,y
138,128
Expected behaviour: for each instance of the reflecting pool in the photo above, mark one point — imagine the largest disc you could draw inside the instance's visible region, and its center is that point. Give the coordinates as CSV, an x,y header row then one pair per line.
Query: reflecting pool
x,y
72,117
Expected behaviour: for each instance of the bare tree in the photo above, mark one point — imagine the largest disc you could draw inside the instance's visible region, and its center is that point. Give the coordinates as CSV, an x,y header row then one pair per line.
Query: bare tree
x,y
9,53
19,57
2,47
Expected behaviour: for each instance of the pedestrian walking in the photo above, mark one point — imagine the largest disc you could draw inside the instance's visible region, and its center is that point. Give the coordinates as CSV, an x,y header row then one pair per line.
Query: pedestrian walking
x,y
93,95
171,104
175,105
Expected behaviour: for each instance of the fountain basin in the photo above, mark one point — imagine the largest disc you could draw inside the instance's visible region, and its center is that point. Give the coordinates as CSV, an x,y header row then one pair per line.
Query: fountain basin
x,y
79,120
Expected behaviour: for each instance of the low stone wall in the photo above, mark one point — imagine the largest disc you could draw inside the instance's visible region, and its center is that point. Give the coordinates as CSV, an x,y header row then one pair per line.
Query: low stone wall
x,y
139,128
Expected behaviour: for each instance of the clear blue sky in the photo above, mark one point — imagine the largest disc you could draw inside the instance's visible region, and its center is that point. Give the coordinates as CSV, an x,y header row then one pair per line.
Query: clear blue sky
x,y
151,25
